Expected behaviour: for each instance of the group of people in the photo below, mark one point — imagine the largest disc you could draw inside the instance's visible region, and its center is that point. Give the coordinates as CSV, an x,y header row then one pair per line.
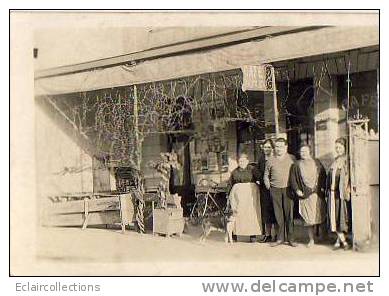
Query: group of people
x,y
262,197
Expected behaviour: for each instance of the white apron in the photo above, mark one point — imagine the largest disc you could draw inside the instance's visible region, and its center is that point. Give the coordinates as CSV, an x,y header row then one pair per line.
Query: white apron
x,y
246,207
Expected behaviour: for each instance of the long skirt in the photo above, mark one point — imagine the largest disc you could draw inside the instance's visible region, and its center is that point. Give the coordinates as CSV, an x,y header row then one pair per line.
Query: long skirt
x,y
246,207
313,209
267,209
339,212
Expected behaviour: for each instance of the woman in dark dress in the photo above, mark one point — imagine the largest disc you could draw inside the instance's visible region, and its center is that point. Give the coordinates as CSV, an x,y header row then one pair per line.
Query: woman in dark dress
x,y
307,181
244,199
267,210
338,195
175,181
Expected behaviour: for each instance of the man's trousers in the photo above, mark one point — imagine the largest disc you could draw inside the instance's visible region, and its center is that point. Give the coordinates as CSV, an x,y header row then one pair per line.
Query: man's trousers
x,y
283,210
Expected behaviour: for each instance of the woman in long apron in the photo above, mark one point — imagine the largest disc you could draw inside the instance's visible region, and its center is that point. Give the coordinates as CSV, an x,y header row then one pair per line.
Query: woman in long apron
x,y
244,198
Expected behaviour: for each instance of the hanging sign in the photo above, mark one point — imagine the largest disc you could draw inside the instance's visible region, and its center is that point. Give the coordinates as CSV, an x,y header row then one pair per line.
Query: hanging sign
x,y
258,77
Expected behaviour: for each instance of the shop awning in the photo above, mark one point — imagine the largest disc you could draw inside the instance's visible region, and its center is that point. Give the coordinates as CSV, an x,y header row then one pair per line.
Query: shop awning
x,y
272,49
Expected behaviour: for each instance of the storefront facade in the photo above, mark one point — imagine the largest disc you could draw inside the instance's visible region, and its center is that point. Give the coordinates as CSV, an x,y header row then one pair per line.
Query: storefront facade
x,y
312,86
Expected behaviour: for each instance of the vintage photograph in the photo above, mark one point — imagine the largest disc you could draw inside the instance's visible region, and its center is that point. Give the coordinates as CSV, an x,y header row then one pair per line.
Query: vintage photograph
x,y
201,143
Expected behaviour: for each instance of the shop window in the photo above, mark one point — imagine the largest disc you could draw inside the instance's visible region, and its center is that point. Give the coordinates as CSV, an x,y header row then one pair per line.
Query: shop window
x,y
250,133
363,100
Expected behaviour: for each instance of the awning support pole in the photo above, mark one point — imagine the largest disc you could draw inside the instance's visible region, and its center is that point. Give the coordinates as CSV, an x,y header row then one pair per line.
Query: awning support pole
x,y
136,128
140,205
275,105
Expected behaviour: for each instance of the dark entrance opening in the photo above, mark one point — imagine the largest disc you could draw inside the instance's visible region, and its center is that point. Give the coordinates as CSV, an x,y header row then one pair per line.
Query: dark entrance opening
x,y
297,104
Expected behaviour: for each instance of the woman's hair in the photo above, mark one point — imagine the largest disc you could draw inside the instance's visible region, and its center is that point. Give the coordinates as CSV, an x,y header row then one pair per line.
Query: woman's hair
x,y
270,141
341,141
282,140
243,155
305,145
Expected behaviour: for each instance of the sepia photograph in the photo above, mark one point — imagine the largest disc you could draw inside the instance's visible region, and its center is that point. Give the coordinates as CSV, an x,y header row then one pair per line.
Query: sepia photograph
x,y
195,143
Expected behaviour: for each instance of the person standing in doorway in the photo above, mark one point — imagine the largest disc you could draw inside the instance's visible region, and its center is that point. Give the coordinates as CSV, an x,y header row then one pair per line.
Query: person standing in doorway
x,y
175,181
276,179
268,217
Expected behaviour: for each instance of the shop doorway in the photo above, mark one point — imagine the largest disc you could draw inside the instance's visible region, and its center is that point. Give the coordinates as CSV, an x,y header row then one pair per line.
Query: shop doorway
x,y
180,145
297,105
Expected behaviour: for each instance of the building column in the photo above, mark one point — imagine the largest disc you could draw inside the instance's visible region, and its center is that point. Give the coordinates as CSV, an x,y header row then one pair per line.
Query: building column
x,y
270,119
326,117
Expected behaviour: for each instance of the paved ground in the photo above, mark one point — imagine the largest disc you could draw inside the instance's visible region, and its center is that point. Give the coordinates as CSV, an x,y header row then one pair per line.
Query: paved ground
x,y
71,251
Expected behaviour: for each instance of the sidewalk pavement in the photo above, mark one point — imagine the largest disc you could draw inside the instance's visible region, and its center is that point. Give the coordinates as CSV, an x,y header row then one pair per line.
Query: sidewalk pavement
x,y
72,251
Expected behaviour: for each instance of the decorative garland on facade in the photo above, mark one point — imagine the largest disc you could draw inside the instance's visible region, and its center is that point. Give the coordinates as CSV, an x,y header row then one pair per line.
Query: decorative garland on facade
x,y
105,118
112,127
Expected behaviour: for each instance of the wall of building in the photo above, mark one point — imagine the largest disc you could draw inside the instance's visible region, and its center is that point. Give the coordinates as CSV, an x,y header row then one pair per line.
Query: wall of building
x,y
326,117
374,159
62,166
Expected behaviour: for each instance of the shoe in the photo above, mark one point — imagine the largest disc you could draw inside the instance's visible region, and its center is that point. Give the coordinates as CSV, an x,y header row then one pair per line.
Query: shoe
x,y
346,246
276,243
336,245
292,244
265,239
311,243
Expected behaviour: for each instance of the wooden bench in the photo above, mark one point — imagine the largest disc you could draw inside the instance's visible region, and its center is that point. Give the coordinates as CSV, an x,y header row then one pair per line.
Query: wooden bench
x,y
90,209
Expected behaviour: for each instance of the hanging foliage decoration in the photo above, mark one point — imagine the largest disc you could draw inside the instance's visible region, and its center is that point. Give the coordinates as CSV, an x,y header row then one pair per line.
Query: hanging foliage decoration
x,y
104,119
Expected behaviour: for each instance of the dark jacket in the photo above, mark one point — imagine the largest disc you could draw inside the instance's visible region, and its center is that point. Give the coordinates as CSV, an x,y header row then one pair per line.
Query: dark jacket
x,y
296,181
